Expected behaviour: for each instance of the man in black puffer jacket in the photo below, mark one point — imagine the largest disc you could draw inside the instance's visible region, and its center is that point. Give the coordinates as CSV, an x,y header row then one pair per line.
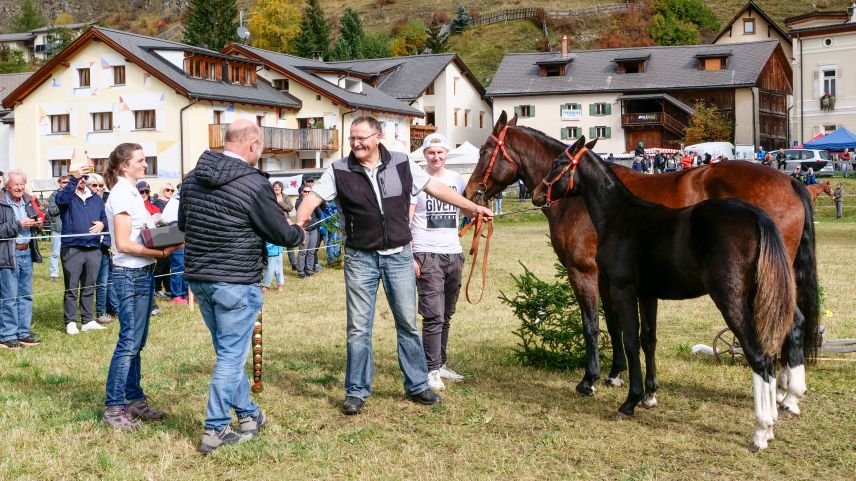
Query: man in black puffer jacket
x,y
228,211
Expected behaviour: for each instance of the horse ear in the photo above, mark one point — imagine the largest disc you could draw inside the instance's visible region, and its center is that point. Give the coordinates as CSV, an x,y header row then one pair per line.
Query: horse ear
x,y
591,144
500,123
513,120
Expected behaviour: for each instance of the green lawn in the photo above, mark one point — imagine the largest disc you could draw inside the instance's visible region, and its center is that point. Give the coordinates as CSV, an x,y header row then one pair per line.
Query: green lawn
x,y
506,421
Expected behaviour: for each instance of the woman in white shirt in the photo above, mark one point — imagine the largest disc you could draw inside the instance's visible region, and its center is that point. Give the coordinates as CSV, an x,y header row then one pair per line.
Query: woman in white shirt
x,y
133,278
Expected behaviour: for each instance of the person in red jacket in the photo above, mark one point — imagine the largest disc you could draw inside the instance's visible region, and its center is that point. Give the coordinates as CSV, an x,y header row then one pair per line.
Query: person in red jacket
x,y
145,189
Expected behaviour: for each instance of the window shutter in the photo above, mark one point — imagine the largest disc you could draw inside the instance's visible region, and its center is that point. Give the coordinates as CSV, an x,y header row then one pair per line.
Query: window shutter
x,y
608,132
608,109
531,110
561,108
592,134
592,109
517,110
564,133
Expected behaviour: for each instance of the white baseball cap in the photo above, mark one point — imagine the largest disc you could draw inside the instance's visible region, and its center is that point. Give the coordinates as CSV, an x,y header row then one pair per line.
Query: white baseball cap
x,y
435,140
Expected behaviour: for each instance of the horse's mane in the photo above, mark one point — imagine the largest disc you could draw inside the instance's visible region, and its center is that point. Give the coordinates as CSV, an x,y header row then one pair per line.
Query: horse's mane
x,y
541,136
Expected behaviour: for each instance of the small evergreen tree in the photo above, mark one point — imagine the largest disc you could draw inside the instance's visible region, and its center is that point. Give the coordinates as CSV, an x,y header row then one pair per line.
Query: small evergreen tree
x,y
212,23
437,41
29,19
351,35
462,20
314,33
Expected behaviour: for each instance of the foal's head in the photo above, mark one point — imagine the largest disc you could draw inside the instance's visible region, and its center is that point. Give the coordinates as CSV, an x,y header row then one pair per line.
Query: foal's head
x,y
559,182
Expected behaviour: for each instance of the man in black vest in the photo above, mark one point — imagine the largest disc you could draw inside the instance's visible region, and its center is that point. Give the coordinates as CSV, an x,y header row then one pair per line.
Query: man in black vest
x,y
372,187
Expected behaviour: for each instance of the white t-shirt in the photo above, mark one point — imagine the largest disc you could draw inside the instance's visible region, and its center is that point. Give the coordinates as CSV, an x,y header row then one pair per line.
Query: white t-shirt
x,y
124,197
435,223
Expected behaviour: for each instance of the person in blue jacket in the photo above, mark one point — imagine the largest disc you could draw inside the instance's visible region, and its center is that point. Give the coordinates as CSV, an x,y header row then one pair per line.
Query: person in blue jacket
x,y
82,212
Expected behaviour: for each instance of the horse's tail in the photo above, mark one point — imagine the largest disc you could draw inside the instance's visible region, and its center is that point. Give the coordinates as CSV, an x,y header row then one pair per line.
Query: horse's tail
x,y
776,293
805,269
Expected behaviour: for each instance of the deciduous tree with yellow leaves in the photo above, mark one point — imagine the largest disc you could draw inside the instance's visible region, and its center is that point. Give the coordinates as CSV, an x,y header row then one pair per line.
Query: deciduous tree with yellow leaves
x,y
273,24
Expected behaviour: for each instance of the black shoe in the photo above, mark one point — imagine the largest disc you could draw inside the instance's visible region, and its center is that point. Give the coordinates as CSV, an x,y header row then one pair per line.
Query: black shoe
x,y
29,340
10,344
353,405
427,397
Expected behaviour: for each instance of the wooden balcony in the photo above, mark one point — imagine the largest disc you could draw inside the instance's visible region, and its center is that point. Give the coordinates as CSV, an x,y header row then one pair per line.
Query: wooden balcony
x,y
653,119
279,140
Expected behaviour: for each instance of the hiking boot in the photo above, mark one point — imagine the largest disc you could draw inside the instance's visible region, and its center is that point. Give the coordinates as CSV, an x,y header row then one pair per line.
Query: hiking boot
x,y
92,326
434,381
117,418
10,344
104,319
213,439
427,397
140,409
251,425
71,329
353,405
30,340
449,374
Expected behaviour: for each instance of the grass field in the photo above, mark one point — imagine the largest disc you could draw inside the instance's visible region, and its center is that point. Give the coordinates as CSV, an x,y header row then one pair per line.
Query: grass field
x,y
506,421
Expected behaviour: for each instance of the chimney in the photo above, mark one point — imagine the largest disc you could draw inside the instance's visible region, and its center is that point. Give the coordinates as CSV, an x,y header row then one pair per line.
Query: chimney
x,y
317,56
564,46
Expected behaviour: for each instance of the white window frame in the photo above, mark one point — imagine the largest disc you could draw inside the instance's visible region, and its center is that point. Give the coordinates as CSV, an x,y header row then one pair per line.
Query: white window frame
x,y
822,70
600,131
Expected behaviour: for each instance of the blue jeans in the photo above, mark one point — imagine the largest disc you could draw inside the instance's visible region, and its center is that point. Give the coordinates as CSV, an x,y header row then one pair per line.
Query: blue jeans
x,y
16,288
177,286
105,294
56,243
229,311
274,268
135,292
363,270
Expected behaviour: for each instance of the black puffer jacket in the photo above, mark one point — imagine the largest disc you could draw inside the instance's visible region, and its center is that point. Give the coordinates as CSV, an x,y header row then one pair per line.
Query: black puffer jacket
x,y
228,210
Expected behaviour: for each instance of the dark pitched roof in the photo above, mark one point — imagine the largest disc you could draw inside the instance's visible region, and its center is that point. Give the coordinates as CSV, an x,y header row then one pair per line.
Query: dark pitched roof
x,y
11,81
299,68
762,13
15,37
142,51
70,26
668,68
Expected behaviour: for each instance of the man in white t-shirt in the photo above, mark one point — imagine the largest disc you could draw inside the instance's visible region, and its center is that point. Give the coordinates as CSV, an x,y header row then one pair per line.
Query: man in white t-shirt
x,y
437,259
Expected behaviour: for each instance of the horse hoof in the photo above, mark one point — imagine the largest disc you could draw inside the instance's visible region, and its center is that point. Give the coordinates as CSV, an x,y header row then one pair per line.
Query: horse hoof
x,y
613,382
649,402
789,411
586,390
754,448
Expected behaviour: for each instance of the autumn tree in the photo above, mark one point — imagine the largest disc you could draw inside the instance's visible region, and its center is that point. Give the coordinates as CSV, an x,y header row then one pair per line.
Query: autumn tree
x,y
707,125
681,22
274,24
408,39
627,29
314,33
29,19
351,35
212,23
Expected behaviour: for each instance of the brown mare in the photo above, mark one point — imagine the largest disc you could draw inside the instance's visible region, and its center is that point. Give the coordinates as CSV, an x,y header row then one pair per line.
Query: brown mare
x,y
814,190
527,154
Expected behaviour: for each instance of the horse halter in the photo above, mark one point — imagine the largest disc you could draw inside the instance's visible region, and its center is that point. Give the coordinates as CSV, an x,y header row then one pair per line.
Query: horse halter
x,y
481,187
572,166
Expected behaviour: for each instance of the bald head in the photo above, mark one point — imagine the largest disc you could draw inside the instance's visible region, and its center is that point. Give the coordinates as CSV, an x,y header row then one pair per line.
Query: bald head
x,y
244,138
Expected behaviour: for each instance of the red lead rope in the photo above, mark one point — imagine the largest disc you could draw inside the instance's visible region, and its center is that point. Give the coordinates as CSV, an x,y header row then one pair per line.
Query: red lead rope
x,y
479,223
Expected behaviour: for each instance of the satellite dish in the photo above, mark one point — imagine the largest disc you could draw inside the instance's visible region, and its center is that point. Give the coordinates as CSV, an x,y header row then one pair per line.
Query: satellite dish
x,y
243,33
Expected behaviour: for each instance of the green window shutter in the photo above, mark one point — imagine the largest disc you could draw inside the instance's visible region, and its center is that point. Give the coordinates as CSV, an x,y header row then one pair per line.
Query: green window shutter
x,y
561,107
608,110
564,133
592,109
517,110
531,110
592,133
609,132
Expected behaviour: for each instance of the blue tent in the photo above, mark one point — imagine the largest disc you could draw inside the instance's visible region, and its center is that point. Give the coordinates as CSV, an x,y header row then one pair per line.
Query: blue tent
x,y
838,140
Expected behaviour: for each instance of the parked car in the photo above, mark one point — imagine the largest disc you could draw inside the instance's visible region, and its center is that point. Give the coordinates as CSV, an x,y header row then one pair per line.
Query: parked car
x,y
819,160
744,152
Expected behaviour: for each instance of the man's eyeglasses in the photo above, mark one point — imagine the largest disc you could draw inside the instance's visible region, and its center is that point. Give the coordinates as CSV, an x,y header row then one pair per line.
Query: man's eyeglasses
x,y
96,185
353,139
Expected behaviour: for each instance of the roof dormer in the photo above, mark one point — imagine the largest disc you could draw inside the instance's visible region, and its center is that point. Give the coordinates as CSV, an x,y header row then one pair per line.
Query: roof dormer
x,y
631,64
713,61
554,67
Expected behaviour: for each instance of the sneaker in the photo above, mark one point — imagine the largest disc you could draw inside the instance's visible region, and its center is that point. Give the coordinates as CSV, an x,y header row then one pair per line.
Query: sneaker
x,y
155,311
161,294
91,326
10,344
251,425
30,340
179,300
264,289
71,329
104,319
53,279
117,418
449,374
213,439
280,287
434,381
140,409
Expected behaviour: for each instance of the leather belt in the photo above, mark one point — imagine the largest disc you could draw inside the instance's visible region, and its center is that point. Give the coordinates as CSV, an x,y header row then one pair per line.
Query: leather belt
x,y
22,247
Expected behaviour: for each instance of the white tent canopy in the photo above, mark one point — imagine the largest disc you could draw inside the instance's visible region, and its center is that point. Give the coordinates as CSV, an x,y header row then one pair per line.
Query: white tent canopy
x,y
462,160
